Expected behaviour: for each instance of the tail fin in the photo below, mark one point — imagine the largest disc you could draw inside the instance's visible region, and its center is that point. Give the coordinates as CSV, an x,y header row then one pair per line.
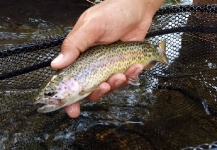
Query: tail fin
x,y
163,58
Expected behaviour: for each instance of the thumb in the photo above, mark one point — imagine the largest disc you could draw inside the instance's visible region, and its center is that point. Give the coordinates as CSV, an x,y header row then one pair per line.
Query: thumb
x,y
77,41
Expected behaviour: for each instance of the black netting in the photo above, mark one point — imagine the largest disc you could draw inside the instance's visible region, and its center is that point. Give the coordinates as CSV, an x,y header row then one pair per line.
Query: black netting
x,y
175,106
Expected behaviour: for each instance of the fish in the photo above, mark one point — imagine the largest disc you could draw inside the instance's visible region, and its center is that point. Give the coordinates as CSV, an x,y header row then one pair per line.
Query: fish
x,y
93,67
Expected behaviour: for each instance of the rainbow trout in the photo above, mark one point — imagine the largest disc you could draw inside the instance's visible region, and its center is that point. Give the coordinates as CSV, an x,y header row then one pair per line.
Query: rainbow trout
x,y
94,66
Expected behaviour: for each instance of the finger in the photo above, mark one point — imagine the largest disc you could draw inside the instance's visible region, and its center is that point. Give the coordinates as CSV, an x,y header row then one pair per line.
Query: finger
x,y
73,110
97,94
71,48
134,71
78,40
120,80
116,81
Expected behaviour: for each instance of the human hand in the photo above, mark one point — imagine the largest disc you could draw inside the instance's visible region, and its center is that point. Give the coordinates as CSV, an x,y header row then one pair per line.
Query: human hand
x,y
104,23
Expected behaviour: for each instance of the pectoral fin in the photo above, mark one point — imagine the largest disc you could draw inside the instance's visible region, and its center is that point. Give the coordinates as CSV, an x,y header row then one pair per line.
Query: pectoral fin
x,y
95,87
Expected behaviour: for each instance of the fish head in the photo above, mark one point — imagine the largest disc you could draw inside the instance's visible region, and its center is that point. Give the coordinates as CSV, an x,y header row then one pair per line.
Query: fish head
x,y
56,95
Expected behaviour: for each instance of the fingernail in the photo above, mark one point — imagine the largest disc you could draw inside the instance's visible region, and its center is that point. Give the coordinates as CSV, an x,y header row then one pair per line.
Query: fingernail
x,y
118,83
73,110
58,59
132,39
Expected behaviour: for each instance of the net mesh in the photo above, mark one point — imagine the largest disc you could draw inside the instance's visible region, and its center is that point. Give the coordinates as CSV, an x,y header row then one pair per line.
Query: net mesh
x,y
173,108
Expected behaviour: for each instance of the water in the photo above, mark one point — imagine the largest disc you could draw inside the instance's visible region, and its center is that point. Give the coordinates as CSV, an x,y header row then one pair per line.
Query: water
x,y
38,23
24,21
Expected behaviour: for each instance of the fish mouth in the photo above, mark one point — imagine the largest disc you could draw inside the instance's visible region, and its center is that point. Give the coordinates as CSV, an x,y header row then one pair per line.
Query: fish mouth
x,y
51,104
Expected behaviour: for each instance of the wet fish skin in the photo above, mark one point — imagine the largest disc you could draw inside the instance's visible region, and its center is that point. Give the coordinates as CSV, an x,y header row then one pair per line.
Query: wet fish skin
x,y
94,66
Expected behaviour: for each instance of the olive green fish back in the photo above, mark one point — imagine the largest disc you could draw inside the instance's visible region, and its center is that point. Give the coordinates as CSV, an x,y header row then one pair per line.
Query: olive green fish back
x,y
117,57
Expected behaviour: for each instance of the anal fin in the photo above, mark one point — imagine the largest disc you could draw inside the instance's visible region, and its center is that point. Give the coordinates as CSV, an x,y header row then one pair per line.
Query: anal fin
x,y
134,81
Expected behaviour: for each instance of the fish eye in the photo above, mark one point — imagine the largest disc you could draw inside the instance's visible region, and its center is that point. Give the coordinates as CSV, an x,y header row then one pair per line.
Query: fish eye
x,y
49,94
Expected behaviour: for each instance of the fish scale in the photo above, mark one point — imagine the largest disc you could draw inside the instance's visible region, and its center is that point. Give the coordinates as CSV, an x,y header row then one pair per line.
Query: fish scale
x,y
94,66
